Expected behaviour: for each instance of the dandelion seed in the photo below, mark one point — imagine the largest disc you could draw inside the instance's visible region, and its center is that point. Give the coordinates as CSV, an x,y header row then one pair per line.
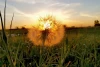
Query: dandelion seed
x,y
48,32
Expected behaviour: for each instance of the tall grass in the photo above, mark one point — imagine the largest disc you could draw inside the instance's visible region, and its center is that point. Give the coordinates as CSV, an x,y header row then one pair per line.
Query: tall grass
x,y
81,50
11,24
5,15
5,46
3,30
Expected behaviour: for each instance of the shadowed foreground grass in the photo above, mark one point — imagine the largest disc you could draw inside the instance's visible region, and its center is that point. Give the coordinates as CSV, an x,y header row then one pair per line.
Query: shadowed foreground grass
x,y
79,48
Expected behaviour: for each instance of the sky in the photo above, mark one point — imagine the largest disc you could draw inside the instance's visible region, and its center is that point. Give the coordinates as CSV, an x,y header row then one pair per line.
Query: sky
x,y
68,12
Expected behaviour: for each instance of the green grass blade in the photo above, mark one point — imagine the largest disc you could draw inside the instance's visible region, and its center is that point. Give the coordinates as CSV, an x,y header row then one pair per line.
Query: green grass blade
x,y
11,23
5,14
3,32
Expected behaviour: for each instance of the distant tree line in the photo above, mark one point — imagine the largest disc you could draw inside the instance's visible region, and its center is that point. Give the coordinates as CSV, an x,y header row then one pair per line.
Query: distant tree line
x,y
19,31
96,23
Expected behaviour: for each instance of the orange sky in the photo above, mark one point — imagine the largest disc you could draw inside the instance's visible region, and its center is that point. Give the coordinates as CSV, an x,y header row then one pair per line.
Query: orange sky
x,y
69,12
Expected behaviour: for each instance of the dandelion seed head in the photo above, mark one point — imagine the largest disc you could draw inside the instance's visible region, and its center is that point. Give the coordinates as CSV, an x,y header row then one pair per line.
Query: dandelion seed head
x,y
48,30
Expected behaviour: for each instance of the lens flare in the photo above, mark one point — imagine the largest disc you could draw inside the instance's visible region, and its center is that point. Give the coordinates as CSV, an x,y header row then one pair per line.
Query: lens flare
x,y
48,32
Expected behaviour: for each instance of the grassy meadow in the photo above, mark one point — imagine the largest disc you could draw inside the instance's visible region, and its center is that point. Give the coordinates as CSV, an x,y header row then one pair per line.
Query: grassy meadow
x,y
80,47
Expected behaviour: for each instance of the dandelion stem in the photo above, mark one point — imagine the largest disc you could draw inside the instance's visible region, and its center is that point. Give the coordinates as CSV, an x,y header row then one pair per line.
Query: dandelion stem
x,y
44,35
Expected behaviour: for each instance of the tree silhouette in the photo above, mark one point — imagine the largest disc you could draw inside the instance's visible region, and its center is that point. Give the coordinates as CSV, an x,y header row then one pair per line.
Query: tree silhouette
x,y
23,27
96,23
17,28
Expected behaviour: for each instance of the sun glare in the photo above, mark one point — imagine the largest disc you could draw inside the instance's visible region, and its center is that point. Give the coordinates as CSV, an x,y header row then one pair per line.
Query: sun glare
x,y
60,16
45,25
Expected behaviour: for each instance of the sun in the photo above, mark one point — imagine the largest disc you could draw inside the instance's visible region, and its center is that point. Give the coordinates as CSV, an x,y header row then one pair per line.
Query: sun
x,y
43,25
48,22
47,25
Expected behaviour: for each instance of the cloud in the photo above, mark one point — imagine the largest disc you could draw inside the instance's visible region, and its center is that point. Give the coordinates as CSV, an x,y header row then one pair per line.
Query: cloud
x,y
62,11
68,9
32,1
65,5
12,9
27,1
88,15
65,9
39,5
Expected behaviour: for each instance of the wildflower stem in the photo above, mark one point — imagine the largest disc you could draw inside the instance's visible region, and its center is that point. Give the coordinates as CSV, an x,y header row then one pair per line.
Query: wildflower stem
x,y
11,23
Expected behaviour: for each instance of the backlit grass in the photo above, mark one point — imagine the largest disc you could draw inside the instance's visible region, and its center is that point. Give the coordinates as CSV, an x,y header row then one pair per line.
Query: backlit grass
x,y
79,48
